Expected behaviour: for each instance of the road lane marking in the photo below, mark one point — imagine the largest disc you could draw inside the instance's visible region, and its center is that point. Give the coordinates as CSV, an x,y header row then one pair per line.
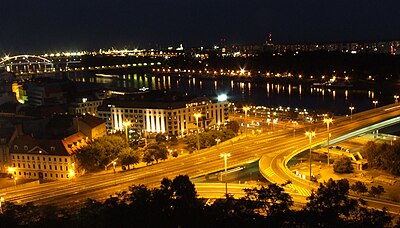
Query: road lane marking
x,y
269,172
300,190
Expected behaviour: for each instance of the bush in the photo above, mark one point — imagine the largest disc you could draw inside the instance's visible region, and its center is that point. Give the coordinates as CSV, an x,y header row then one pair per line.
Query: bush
x,y
175,154
359,187
343,165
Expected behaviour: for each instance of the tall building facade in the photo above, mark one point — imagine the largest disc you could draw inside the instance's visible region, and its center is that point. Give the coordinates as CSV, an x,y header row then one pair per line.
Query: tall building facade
x,y
174,117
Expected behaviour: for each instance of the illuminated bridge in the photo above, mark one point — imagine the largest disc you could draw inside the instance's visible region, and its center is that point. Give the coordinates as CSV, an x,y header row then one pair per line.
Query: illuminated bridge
x,y
26,64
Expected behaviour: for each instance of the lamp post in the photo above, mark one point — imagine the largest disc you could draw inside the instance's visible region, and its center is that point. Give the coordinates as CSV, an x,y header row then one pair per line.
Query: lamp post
x,y
71,174
396,98
274,121
294,127
328,121
246,108
225,156
197,116
115,175
1,201
310,134
351,111
126,124
375,103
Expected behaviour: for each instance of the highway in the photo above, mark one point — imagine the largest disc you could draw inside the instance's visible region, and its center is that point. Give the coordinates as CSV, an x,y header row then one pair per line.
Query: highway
x,y
274,149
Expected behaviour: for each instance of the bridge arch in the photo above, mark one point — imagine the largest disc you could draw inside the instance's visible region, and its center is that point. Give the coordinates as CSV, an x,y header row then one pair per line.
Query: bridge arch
x,y
30,64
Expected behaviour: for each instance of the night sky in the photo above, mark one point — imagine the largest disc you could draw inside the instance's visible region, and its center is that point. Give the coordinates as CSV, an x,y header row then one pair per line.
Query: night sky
x,y
38,26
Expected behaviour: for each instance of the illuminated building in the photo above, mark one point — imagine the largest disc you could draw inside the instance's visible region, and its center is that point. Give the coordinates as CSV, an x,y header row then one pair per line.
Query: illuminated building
x,y
173,116
33,158
85,106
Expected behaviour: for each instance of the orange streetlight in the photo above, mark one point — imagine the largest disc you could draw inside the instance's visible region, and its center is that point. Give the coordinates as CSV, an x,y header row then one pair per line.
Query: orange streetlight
x,y
375,103
225,156
197,116
351,111
328,121
294,127
246,108
126,124
310,134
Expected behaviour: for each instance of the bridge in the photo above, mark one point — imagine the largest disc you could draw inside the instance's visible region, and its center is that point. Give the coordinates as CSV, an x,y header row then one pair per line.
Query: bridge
x,y
26,64
274,149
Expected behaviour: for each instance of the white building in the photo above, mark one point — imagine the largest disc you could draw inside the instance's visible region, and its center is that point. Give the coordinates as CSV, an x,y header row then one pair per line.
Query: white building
x,y
85,106
173,117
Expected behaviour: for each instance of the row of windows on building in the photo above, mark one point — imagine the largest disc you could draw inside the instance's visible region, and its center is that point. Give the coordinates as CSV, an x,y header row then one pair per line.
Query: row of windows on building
x,y
52,148
39,166
90,104
45,175
160,112
38,158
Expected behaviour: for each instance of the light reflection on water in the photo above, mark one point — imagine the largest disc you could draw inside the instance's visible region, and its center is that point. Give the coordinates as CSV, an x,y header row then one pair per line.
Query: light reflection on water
x,y
256,93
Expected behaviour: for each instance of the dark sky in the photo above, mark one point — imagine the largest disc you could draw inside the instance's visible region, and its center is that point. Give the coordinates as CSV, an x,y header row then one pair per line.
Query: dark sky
x,y
68,25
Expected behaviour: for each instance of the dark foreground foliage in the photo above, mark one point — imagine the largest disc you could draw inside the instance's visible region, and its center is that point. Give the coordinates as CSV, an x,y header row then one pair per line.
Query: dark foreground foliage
x,y
175,204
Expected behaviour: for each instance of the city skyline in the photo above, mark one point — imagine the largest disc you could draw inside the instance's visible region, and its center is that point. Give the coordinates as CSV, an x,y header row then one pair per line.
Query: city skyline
x,y
45,26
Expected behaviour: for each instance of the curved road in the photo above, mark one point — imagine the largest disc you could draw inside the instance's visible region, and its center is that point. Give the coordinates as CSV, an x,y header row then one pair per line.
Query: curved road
x,y
274,149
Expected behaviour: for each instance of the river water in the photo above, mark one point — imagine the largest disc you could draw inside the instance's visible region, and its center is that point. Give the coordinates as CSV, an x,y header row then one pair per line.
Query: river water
x,y
261,92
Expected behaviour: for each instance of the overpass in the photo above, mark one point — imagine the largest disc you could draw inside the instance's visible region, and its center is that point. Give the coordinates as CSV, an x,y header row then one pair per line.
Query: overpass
x,y
275,167
275,150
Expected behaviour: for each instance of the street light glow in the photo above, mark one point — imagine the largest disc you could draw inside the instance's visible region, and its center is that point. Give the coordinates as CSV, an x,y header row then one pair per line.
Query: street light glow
x,y
222,97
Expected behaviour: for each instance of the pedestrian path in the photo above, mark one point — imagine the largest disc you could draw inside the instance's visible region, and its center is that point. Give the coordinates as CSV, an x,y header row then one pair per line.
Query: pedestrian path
x,y
300,190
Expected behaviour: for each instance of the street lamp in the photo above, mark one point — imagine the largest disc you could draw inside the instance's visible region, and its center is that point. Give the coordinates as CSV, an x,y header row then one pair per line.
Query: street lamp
x,y
328,121
1,200
115,175
71,174
375,103
351,111
197,116
396,98
217,141
246,108
225,156
294,127
126,124
310,134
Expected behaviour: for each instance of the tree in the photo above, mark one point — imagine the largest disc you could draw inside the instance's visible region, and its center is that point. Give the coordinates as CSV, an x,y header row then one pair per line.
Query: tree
x,y
129,156
330,202
376,191
173,139
161,153
343,165
155,152
175,154
100,152
234,126
271,200
359,187
148,158
160,138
